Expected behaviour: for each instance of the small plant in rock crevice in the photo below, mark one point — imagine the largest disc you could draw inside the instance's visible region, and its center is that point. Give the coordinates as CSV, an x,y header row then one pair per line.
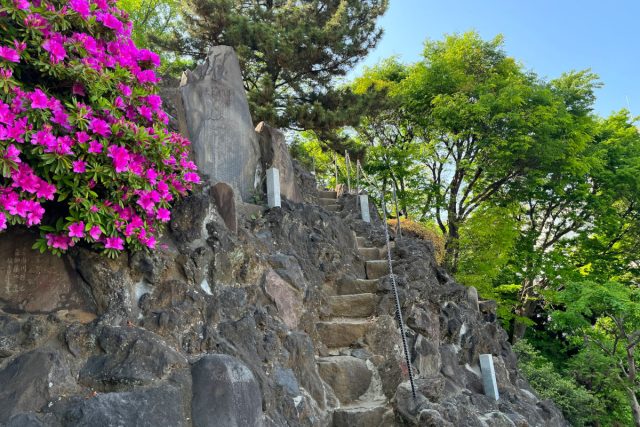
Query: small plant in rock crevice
x,y
84,151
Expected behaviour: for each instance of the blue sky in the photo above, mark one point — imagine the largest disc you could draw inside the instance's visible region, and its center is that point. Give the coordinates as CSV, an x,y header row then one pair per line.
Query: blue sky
x,y
546,36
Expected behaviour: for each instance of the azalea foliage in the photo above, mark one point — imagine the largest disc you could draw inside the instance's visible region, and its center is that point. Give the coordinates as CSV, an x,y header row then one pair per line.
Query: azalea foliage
x,y
84,152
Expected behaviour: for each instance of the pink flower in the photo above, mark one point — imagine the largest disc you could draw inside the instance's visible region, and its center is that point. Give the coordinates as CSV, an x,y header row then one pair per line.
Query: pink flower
x,y
39,99
110,21
79,166
81,7
12,153
22,4
163,215
95,147
5,74
9,54
57,241
95,232
126,90
55,47
78,89
3,221
76,229
120,157
114,243
192,177
100,127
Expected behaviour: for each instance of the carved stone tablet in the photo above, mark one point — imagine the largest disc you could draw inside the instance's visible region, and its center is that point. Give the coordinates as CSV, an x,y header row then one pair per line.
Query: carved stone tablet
x,y
34,282
224,199
224,143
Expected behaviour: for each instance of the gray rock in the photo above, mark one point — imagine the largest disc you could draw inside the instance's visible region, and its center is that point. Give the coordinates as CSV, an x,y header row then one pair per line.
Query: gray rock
x,y
30,381
25,420
348,376
225,393
224,142
161,406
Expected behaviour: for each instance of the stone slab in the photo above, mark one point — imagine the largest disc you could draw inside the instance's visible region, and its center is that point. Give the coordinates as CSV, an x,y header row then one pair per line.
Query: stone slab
x,y
273,188
224,142
364,208
34,282
288,300
489,376
348,376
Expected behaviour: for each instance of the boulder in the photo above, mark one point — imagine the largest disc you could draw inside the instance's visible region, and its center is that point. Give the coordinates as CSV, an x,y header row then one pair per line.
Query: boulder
x,y
225,393
288,300
36,282
275,154
224,199
348,376
224,143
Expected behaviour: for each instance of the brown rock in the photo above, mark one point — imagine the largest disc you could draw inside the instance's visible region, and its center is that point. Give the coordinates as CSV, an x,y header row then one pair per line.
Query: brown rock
x,y
275,154
348,376
224,200
35,282
288,300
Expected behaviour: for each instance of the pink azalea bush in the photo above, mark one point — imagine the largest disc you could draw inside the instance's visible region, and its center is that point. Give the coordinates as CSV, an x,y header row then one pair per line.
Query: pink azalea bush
x,y
84,152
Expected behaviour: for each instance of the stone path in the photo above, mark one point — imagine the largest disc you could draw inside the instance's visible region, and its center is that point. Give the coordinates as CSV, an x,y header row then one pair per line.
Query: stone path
x,y
354,380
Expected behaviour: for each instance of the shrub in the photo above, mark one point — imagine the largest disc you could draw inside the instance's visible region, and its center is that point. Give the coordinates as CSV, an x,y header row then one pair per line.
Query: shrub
x,y
85,155
421,231
579,406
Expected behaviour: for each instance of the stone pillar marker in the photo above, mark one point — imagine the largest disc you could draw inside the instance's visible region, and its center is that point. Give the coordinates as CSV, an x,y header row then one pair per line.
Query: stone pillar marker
x,y
489,376
364,208
273,188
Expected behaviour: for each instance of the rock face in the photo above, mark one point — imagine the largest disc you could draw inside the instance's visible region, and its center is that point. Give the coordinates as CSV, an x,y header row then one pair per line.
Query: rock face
x,y
275,154
288,320
224,142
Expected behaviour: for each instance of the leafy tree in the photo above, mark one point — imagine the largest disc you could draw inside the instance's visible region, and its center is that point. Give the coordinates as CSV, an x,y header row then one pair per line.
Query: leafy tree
x,y
607,317
290,53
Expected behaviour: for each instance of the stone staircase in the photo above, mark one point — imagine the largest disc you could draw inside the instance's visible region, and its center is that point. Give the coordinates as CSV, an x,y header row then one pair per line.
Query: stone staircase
x,y
346,366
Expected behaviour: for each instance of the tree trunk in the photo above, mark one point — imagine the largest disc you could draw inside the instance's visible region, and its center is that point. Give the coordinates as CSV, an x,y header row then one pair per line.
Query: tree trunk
x,y
635,407
452,247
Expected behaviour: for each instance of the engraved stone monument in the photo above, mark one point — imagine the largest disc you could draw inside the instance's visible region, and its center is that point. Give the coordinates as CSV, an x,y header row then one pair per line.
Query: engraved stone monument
x,y
225,204
34,282
273,188
364,208
489,376
224,142
275,154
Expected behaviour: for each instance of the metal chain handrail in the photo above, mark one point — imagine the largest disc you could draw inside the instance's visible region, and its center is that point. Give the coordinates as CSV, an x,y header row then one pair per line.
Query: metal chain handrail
x,y
405,346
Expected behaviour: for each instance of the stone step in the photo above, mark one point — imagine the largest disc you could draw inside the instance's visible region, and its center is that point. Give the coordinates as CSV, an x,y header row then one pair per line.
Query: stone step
x,y
341,332
358,305
348,376
324,194
369,253
362,414
348,286
361,241
326,202
377,268
332,208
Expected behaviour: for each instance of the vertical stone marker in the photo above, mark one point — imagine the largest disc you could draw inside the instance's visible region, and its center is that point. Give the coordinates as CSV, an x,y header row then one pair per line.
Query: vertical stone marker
x,y
225,145
273,188
364,208
489,376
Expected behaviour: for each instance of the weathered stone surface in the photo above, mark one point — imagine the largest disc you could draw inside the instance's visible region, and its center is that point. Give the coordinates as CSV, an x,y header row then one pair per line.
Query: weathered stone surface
x,y
224,142
341,333
287,299
427,357
377,269
29,382
131,356
273,188
367,415
161,406
225,393
349,286
348,376
358,305
225,202
275,154
35,282
302,361
472,298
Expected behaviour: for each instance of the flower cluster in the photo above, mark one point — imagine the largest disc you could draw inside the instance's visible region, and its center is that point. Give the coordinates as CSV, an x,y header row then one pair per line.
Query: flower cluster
x,y
84,150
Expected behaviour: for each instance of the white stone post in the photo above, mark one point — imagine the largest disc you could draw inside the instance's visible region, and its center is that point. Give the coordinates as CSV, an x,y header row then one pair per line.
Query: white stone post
x,y
273,188
364,208
489,376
